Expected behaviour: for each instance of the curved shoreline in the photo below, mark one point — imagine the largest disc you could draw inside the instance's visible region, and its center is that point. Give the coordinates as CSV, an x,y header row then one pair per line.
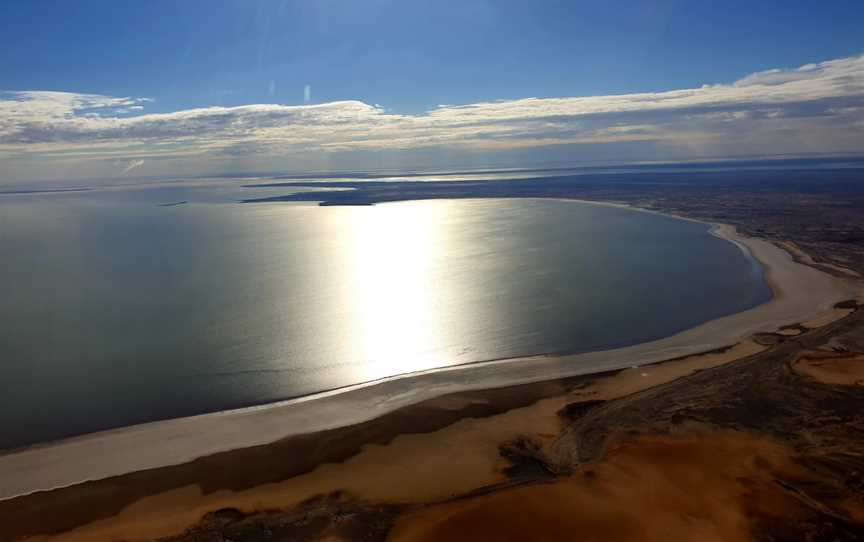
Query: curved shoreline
x,y
799,293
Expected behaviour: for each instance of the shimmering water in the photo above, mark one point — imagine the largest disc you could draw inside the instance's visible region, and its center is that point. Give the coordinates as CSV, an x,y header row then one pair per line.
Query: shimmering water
x,y
114,310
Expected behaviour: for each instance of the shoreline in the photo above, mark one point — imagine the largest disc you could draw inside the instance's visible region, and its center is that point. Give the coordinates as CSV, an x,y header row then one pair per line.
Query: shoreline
x,y
800,293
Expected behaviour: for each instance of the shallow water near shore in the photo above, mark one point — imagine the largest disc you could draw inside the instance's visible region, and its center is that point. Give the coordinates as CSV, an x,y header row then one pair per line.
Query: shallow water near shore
x,y
116,310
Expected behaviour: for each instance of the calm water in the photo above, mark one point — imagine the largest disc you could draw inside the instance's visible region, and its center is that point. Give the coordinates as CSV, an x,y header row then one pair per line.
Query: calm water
x,y
114,310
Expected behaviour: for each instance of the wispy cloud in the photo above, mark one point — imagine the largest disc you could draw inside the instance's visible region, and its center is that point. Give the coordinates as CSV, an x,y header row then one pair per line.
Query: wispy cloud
x,y
817,108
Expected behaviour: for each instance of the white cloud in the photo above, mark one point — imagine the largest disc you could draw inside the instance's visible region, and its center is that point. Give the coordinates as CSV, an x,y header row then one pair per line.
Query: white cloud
x,y
777,111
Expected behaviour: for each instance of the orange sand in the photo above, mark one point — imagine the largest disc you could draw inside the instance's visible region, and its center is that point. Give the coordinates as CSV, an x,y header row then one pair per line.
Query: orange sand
x,y
843,371
701,487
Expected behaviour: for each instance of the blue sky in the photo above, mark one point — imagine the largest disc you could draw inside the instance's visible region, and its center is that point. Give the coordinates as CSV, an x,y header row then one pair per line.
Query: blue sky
x,y
403,57
406,55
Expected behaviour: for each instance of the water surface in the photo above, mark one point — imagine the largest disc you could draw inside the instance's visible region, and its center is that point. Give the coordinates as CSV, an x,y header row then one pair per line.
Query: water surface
x,y
115,310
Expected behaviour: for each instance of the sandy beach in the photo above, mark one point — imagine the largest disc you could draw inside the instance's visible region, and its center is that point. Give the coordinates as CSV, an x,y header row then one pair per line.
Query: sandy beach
x,y
155,480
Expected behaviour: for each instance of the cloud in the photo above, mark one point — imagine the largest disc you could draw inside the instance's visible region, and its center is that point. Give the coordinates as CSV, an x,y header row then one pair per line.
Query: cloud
x,y
813,108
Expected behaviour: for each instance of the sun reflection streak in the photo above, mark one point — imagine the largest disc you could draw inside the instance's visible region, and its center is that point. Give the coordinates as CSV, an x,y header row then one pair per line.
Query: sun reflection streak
x,y
393,253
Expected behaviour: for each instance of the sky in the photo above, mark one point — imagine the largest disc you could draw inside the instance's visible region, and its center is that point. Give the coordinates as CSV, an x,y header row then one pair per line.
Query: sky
x,y
106,88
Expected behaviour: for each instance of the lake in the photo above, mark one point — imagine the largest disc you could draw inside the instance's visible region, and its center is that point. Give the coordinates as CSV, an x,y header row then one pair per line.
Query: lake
x,y
116,310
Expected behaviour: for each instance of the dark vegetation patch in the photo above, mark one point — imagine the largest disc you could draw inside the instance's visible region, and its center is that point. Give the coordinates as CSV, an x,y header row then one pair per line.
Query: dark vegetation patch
x,y
330,517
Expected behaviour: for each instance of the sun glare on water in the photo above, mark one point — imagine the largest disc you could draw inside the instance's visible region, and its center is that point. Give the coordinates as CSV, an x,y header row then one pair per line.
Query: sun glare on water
x,y
392,256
